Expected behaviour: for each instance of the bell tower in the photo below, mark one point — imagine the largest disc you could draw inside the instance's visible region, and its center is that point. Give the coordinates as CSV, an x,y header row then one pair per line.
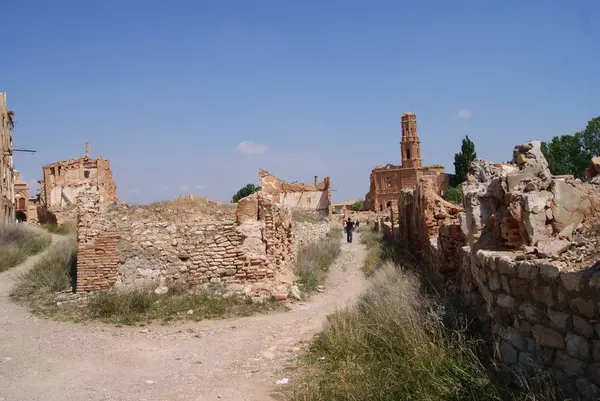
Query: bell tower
x,y
410,146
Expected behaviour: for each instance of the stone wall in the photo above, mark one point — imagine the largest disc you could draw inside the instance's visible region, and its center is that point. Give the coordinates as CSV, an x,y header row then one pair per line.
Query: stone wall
x,y
541,316
305,232
430,227
525,247
116,248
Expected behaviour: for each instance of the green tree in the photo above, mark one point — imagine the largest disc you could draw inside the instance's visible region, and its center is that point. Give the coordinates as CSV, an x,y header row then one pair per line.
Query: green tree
x,y
454,195
462,161
357,206
568,154
245,191
590,137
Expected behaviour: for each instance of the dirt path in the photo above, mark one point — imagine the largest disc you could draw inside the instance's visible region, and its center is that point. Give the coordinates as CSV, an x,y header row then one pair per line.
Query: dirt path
x,y
235,359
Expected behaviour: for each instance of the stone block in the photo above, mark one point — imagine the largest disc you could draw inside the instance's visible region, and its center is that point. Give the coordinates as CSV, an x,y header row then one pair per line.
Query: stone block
x,y
551,248
548,337
577,346
558,319
508,353
583,307
529,311
506,301
572,280
571,366
581,326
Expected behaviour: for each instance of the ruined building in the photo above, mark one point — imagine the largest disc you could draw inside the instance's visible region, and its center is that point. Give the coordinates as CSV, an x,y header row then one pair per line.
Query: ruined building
x,y
7,189
387,181
21,198
523,254
63,181
316,197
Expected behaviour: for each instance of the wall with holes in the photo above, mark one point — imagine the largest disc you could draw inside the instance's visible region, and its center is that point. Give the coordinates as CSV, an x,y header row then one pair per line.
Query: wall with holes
x,y
313,200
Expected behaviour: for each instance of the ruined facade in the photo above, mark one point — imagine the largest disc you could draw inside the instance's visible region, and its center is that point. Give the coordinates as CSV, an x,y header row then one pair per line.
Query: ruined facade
x,y
524,253
7,188
21,198
63,181
316,197
121,246
387,181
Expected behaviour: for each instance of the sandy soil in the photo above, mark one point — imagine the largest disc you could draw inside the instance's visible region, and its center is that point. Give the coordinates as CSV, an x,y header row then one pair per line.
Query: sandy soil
x,y
234,359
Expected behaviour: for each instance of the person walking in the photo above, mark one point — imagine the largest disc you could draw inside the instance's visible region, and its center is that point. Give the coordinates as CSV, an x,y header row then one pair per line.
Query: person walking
x,y
349,229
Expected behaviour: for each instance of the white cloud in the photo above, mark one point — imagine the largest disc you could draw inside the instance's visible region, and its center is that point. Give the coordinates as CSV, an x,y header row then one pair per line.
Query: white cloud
x,y
134,191
184,187
165,188
249,148
199,186
464,114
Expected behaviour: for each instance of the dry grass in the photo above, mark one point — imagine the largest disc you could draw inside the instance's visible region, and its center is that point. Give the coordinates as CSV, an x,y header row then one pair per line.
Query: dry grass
x,y
392,346
139,306
315,259
49,275
63,229
18,242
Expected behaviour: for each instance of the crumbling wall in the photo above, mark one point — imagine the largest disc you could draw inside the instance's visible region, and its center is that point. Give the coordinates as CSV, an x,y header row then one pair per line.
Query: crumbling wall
x,y
97,241
309,232
298,195
527,258
152,252
430,227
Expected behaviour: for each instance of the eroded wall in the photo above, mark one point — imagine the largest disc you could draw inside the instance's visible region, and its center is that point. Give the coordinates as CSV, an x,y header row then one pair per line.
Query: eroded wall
x,y
524,250
116,248
315,197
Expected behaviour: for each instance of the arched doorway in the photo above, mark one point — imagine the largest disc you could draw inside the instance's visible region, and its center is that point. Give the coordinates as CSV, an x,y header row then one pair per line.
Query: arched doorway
x,y
21,217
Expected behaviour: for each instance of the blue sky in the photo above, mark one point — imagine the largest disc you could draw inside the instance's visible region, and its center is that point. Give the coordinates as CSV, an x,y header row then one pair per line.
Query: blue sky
x,y
168,90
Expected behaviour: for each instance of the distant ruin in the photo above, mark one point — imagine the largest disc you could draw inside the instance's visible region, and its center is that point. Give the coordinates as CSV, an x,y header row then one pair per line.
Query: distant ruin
x,y
387,181
316,197
64,181
524,252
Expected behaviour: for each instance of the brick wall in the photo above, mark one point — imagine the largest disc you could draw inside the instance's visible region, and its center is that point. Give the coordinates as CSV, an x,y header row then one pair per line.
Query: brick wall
x,y
115,247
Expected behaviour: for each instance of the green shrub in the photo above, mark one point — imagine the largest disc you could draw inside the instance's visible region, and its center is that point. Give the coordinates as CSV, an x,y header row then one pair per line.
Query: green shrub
x,y
314,260
17,242
454,195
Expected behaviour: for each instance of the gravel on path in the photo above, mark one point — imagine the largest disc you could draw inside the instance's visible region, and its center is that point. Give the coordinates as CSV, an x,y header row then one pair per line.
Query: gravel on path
x,y
232,359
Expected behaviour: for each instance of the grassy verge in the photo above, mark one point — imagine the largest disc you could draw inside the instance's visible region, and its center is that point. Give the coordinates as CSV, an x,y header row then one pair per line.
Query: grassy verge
x,y
400,343
391,346
315,259
376,251
63,229
38,288
49,275
19,242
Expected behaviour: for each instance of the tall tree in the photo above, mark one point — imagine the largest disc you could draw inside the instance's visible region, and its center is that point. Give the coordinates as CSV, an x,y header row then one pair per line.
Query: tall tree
x,y
247,190
568,154
590,137
462,161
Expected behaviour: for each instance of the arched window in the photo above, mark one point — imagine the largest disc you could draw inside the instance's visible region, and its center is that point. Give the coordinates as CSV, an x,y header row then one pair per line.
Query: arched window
x,y
408,153
22,203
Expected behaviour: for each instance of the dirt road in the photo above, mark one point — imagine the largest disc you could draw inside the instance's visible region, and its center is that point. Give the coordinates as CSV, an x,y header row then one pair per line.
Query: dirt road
x,y
236,359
